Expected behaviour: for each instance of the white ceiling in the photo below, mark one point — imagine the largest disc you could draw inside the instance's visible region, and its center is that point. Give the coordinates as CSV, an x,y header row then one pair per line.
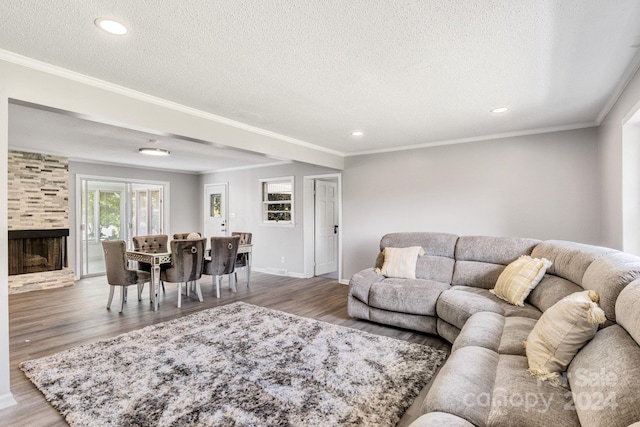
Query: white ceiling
x,y
407,73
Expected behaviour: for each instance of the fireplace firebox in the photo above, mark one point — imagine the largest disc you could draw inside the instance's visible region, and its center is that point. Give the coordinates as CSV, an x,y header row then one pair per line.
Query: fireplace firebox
x,y
33,251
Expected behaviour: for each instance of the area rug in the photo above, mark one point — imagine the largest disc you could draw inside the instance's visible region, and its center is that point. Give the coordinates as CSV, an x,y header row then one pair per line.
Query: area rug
x,y
236,365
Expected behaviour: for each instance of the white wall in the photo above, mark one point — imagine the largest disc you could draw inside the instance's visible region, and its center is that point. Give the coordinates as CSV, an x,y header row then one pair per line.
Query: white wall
x,y
540,186
184,197
270,243
610,143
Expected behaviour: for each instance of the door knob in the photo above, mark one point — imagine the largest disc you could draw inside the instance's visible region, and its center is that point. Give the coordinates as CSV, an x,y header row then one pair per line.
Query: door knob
x,y
335,229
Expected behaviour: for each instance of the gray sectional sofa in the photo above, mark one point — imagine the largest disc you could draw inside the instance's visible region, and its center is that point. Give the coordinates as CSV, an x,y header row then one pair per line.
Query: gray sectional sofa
x,y
485,381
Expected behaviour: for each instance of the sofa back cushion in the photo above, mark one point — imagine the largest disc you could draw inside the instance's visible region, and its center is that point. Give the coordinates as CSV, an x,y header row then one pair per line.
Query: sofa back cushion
x,y
481,259
570,260
438,260
627,312
605,374
604,378
609,275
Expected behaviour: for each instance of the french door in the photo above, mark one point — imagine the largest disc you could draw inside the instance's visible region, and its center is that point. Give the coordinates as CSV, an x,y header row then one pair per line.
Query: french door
x,y
115,210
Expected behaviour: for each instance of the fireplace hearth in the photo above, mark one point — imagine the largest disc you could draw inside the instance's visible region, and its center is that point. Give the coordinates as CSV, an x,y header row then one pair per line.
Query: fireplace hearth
x,y
34,251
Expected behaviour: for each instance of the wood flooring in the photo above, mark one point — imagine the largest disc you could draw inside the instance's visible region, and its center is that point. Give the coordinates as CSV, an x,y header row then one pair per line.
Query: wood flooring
x,y
46,322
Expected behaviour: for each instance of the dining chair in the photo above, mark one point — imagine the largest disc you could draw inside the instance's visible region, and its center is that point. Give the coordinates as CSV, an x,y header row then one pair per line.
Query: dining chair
x,y
118,273
223,255
151,243
187,236
187,258
242,260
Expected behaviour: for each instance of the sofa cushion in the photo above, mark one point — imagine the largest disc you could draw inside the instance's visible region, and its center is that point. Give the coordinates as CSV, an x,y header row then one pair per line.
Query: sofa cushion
x,y
518,399
561,332
400,262
456,306
493,250
361,282
460,302
415,322
415,296
627,312
519,278
483,329
570,260
604,378
504,335
440,419
447,331
481,259
438,261
464,385
550,290
608,275
514,334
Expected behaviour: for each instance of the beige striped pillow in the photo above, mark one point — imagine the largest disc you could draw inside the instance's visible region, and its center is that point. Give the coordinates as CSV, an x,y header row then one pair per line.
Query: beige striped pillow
x,y
400,262
519,278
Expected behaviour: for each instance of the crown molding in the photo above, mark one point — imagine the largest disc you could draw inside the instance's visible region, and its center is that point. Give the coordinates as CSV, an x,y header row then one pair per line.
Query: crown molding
x,y
477,138
121,90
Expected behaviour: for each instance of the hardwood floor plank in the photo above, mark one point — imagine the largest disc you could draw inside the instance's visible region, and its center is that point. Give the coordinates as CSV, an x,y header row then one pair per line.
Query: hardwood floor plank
x,y
46,322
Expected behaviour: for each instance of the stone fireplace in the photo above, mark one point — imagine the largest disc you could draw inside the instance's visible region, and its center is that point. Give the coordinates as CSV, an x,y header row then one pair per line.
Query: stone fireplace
x,y
38,206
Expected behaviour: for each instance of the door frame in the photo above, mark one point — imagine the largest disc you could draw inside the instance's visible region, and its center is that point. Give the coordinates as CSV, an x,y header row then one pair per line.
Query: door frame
x,y
309,221
75,233
205,203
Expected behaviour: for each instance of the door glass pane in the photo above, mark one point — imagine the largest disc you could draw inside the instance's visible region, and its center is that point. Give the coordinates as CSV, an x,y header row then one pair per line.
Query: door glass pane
x,y
90,215
216,206
156,209
143,228
110,218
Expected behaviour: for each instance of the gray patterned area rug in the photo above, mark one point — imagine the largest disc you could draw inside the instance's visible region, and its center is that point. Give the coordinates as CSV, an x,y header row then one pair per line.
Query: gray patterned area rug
x,y
236,365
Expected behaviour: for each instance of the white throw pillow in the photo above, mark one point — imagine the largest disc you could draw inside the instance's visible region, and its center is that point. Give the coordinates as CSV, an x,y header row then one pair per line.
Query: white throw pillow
x,y
400,262
561,332
519,278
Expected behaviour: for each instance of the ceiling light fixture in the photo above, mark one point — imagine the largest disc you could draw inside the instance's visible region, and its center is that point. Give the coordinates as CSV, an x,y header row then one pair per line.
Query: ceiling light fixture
x,y
357,133
154,151
111,26
499,110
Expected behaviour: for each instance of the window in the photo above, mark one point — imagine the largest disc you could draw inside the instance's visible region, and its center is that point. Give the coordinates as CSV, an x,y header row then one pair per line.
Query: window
x,y
277,200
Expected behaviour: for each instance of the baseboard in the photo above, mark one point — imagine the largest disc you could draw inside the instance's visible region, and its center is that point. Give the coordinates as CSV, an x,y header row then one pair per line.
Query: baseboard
x,y
279,272
343,282
7,400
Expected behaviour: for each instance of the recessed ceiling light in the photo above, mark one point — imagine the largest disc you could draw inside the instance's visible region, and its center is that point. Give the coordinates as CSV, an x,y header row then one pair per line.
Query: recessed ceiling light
x,y
357,133
499,110
111,26
154,151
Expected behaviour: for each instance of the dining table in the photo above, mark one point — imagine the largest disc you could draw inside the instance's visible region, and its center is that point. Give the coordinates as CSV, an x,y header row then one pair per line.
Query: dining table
x,y
157,259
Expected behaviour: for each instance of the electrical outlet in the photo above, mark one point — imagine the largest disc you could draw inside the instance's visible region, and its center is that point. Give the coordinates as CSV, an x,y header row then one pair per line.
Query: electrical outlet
x,y
282,260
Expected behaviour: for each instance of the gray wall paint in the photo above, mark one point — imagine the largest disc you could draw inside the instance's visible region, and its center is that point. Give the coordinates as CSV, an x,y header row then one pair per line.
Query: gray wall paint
x,y
271,243
542,186
184,195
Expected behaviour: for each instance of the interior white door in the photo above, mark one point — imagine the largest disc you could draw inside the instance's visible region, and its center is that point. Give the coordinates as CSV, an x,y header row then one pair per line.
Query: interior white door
x,y
215,210
326,227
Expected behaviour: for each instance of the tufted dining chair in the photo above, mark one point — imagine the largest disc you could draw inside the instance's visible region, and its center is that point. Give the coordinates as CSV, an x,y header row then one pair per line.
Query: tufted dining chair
x,y
242,260
118,274
187,258
223,255
151,243
186,236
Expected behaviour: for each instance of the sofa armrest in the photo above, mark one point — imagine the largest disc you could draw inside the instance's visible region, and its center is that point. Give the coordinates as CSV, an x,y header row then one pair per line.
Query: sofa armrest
x,y
361,283
440,419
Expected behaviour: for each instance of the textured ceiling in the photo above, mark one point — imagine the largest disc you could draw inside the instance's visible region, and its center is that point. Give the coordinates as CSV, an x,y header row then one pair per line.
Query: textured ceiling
x,y
407,73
